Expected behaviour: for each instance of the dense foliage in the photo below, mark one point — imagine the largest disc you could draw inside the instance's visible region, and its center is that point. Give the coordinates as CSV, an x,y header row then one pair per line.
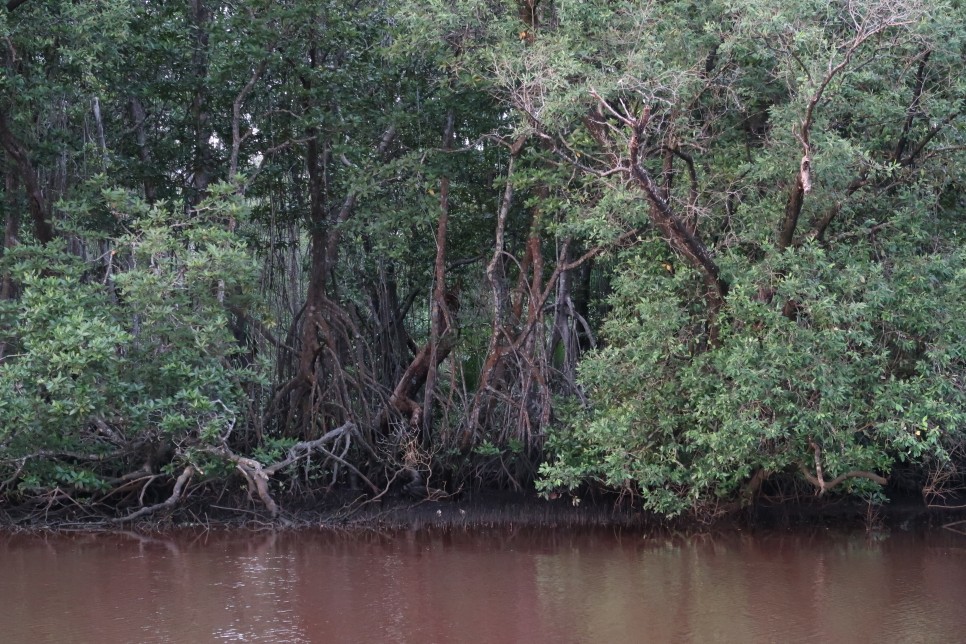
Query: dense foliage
x,y
693,253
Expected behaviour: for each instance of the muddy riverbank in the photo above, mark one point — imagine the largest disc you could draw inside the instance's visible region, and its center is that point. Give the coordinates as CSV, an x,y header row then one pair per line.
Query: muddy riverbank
x,y
493,509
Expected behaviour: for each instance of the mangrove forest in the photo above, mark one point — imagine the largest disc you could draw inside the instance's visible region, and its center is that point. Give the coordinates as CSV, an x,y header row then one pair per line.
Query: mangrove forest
x,y
265,256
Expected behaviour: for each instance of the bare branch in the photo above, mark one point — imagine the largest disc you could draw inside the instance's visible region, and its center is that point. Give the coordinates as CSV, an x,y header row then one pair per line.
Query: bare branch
x,y
171,501
236,136
682,240
878,18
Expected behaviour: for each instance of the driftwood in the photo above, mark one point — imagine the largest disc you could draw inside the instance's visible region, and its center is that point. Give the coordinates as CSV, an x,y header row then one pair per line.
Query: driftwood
x,y
256,474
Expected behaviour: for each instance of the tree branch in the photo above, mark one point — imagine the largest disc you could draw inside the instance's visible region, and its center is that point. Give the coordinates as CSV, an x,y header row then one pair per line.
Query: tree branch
x,y
867,27
818,479
236,107
913,108
679,235
171,501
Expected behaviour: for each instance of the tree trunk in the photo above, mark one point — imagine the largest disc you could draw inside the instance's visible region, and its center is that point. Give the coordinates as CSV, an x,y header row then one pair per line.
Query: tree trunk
x,y
138,116
99,124
10,230
8,290
440,320
36,203
203,158
564,347
496,276
682,240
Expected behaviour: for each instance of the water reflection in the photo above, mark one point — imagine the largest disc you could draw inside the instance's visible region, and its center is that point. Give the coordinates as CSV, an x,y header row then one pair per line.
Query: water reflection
x,y
489,586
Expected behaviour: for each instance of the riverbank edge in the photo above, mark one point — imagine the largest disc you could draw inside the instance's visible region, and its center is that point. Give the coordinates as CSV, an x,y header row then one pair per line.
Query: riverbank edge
x,y
498,510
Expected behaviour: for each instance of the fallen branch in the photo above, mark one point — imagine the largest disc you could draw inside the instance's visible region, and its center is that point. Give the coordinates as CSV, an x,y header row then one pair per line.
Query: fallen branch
x,y
255,474
258,475
303,449
171,501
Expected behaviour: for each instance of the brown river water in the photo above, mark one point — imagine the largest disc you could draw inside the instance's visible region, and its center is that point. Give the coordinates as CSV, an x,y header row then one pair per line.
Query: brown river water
x,y
483,586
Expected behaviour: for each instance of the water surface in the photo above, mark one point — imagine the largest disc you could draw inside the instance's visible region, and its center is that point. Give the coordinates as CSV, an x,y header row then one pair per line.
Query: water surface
x,y
484,586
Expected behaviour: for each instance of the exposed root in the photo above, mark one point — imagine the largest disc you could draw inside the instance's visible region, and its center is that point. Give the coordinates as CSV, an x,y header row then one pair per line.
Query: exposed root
x,y
255,474
171,501
305,448
258,475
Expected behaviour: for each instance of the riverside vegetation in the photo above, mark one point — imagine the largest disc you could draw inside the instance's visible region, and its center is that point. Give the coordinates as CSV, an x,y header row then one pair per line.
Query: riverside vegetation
x,y
263,254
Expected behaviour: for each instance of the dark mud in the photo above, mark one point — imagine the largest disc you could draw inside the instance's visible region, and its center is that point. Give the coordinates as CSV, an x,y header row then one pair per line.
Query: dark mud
x,y
498,510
